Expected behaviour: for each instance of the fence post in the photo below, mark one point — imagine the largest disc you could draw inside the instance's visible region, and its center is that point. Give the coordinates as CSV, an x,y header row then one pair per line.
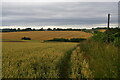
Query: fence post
x,y
108,28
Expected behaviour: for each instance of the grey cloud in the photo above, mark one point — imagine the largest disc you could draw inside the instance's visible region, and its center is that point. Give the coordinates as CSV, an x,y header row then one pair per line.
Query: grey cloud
x,y
64,13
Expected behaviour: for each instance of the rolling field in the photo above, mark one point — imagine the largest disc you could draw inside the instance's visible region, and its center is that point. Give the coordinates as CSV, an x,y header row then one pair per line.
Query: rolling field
x,y
45,35
59,60
34,59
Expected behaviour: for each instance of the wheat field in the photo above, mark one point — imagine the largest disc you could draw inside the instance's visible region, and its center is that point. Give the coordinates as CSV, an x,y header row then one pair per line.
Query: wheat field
x,y
33,59
45,35
36,59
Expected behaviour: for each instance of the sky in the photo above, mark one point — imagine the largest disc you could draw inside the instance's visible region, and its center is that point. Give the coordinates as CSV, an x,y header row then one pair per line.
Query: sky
x,y
60,0
58,14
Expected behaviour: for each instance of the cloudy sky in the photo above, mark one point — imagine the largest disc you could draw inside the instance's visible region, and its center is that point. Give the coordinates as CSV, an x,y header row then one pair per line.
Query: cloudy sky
x,y
58,14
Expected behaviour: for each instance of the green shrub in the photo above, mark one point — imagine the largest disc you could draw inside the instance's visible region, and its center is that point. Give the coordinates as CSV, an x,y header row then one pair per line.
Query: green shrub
x,y
117,42
77,39
26,38
101,37
110,36
67,40
60,39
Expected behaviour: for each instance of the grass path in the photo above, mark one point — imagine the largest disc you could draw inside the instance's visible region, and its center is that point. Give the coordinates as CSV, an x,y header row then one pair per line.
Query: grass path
x,y
64,66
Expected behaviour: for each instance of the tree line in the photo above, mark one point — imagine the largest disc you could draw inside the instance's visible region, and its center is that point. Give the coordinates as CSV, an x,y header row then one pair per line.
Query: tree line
x,y
48,29
30,29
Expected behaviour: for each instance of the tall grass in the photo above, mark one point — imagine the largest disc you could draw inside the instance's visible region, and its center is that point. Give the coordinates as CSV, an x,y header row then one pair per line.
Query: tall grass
x,y
96,60
79,65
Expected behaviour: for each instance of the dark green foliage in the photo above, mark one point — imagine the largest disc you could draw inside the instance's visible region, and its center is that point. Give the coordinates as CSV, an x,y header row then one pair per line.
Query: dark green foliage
x,y
117,42
67,40
59,39
102,37
30,29
77,39
110,36
26,38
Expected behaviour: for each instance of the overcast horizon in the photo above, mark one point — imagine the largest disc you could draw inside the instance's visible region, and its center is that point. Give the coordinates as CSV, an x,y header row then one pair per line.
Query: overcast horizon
x,y
58,14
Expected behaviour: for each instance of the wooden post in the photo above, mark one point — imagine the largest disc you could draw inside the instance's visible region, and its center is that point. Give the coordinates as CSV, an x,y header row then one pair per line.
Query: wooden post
x,y
119,14
108,21
108,28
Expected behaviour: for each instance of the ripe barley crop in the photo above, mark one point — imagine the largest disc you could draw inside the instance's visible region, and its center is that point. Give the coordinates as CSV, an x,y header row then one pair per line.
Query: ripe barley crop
x,y
33,59
46,35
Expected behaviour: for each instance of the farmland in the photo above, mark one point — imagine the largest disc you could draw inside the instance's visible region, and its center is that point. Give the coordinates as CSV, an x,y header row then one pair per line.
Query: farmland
x,y
36,59
59,60
45,35
33,59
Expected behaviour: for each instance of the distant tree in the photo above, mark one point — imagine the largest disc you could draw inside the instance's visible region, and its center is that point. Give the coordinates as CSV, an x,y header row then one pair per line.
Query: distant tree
x,y
28,29
18,29
49,29
41,29
34,29
54,29
26,38
59,29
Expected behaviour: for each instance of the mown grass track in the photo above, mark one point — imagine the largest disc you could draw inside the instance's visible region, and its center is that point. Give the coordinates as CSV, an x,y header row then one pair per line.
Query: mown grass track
x,y
64,64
